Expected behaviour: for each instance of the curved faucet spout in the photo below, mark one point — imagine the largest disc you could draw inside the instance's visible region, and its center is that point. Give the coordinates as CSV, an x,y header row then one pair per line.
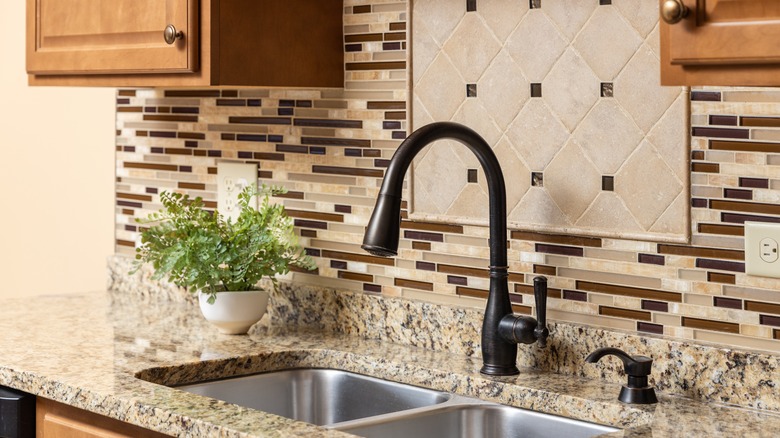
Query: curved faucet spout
x,y
499,350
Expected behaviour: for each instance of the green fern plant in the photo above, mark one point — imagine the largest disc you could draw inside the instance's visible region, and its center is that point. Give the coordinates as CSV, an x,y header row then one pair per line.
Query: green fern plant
x,y
202,251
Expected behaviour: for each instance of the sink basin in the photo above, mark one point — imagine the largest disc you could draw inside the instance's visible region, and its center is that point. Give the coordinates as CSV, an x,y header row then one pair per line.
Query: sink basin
x,y
318,396
478,421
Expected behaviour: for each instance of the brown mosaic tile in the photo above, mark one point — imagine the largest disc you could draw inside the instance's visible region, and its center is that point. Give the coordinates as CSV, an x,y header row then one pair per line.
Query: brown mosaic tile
x,y
303,214
723,120
706,324
744,146
738,194
717,277
769,320
125,243
362,9
560,250
768,122
398,26
728,303
624,313
705,96
193,93
656,306
647,327
413,284
374,288
419,235
395,115
776,333
329,123
425,266
728,230
386,65
192,186
171,118
529,290
593,242
362,38
129,204
365,278
747,207
742,218
575,295
720,132
352,257
323,141
693,251
697,155
705,167
421,246
347,209
757,306
720,265
291,195
305,223
627,291
432,226
309,233
129,109
460,281
544,270
757,183
651,259
128,93
387,105
134,196
335,170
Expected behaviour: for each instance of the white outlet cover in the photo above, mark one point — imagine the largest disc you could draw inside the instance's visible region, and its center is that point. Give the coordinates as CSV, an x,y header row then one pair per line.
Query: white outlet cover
x,y
231,179
761,249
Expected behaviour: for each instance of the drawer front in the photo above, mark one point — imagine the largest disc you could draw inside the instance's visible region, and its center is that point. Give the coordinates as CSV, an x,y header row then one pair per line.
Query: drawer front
x,y
110,36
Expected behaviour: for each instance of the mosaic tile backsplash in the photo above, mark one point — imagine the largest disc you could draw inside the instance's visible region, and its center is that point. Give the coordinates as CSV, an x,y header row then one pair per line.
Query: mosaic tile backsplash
x,y
329,147
567,94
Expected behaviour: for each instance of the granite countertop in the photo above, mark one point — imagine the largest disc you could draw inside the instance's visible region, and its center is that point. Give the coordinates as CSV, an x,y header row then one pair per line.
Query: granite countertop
x,y
103,356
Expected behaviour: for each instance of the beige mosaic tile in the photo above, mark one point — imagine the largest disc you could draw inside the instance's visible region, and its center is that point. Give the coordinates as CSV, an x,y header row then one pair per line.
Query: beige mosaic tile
x,y
568,71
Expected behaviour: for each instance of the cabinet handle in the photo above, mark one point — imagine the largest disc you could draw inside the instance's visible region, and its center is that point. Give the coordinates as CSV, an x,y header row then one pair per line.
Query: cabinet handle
x,y
672,11
170,34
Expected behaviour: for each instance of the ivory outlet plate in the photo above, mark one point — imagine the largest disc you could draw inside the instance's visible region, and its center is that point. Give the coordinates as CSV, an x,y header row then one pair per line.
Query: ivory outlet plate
x,y
232,178
762,249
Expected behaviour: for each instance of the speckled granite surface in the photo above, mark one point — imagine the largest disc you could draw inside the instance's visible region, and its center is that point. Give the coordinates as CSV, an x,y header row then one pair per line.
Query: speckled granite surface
x,y
87,350
700,371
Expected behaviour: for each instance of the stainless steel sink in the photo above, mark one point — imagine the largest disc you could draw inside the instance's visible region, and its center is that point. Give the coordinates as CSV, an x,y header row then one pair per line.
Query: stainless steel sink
x,y
478,421
376,408
318,396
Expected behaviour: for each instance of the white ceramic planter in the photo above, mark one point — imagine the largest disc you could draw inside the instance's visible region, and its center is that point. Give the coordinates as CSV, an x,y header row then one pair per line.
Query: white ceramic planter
x,y
233,313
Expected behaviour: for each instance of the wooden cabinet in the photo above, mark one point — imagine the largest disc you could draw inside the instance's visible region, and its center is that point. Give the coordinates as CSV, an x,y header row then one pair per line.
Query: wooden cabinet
x,y
56,420
222,42
721,42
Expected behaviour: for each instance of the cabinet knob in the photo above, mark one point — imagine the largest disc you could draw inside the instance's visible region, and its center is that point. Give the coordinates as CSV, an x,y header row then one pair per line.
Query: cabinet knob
x,y
170,34
672,11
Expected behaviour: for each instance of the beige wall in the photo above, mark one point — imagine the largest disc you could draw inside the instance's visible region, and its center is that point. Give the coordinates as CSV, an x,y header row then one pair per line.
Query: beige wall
x,y
57,144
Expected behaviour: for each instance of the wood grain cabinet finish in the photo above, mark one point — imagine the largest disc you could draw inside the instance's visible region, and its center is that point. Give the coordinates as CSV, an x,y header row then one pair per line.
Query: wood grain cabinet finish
x,y
56,420
292,43
722,42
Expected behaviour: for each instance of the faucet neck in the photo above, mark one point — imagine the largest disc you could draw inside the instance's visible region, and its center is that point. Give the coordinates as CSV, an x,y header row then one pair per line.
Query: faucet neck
x,y
392,184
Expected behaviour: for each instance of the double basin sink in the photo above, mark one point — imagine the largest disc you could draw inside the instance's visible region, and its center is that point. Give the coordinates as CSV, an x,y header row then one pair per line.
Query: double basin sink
x,y
371,407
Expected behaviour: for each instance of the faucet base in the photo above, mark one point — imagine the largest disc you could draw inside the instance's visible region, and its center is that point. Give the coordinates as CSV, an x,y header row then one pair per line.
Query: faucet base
x,y
499,370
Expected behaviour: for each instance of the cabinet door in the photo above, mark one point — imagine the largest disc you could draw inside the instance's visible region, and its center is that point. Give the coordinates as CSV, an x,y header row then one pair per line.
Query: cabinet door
x,y
722,42
110,36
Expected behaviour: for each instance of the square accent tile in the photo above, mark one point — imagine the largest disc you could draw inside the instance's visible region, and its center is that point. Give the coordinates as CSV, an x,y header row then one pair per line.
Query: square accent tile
x,y
535,4
607,89
536,90
608,183
471,90
537,179
472,176
605,2
471,5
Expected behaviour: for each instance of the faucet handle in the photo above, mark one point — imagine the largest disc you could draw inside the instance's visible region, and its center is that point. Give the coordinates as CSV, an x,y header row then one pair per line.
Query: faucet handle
x,y
540,296
637,369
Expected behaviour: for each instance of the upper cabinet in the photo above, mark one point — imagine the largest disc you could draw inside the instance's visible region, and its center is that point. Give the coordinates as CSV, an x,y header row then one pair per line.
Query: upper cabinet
x,y
171,43
720,42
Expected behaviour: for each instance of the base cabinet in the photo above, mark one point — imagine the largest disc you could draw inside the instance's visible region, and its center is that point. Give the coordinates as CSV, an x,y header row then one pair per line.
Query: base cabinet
x,y
56,420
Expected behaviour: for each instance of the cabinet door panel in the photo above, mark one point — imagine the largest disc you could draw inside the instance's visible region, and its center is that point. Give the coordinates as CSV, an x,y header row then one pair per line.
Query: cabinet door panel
x,y
727,32
110,36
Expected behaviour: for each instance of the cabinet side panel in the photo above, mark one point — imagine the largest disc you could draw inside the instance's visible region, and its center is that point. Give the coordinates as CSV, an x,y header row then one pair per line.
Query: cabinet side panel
x,y
288,43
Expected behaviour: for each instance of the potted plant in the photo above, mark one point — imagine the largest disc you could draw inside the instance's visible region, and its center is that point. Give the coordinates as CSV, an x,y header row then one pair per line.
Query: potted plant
x,y
220,259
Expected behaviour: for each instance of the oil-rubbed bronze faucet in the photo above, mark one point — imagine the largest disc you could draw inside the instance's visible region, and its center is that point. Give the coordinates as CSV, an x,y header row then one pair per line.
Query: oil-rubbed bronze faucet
x,y
501,329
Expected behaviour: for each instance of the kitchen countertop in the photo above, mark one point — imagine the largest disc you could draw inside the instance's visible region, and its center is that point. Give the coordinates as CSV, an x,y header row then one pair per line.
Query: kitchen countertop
x,y
89,350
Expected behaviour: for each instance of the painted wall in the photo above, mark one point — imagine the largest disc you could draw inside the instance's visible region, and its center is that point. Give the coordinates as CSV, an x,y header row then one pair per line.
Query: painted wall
x,y
56,177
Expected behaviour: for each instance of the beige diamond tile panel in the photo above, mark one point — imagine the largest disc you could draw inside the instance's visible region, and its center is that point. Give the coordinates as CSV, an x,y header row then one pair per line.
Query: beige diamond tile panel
x,y
568,91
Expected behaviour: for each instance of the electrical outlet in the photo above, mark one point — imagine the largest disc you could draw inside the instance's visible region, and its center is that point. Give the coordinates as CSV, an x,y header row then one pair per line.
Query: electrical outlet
x,y
232,178
762,243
